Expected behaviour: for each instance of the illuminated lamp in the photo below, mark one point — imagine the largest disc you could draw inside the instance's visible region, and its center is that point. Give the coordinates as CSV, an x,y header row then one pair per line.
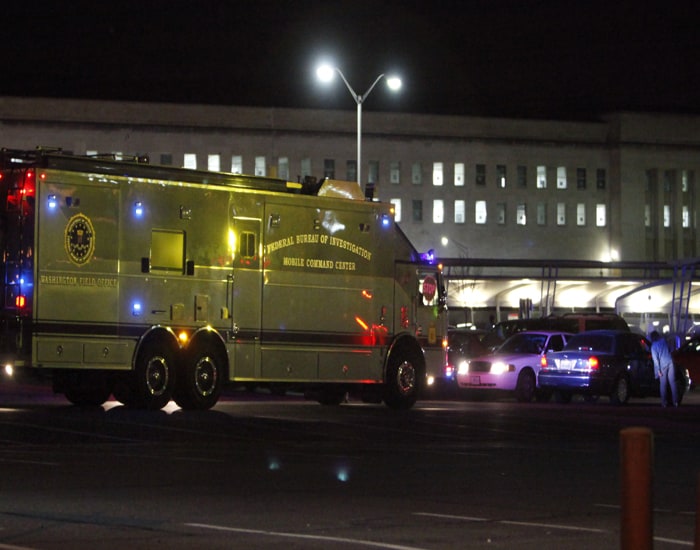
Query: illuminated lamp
x,y
138,209
428,256
20,301
593,363
136,308
386,220
52,202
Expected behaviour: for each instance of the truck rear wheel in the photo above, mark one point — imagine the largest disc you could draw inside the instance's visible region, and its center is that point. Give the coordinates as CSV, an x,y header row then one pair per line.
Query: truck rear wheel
x,y
402,381
201,379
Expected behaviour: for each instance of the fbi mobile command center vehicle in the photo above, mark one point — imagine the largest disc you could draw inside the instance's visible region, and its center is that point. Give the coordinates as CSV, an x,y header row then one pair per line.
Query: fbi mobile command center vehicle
x,y
154,283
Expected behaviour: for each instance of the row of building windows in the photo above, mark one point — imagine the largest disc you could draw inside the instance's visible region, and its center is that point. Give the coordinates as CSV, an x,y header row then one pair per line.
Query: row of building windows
x,y
499,210
481,210
544,174
438,175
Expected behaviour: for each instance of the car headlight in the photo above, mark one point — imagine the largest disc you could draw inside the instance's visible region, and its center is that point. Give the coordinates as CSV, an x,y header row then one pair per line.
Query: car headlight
x,y
499,367
463,367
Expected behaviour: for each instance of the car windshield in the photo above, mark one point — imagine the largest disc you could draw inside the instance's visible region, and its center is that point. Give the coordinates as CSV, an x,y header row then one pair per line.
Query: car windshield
x,y
524,343
603,343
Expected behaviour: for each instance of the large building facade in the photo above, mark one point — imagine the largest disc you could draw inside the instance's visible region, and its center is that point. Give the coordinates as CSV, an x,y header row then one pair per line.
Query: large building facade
x,y
623,188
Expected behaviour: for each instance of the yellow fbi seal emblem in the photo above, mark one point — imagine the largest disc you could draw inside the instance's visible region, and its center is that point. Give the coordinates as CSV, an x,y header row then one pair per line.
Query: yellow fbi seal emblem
x,y
80,239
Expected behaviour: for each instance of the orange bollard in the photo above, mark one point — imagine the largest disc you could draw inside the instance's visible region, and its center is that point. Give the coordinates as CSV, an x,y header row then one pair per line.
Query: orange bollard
x,y
636,450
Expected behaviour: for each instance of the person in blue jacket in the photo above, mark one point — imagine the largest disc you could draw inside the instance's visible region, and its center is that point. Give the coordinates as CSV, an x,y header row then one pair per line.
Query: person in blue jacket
x,y
664,369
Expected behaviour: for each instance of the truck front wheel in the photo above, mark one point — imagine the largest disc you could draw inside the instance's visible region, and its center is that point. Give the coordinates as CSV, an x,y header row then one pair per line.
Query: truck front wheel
x,y
402,380
84,389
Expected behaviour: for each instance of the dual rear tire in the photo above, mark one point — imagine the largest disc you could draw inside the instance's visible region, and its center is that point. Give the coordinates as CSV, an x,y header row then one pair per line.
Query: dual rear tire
x,y
162,373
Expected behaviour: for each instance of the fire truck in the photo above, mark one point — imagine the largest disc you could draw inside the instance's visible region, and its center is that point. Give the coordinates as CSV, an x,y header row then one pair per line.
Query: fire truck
x,y
154,283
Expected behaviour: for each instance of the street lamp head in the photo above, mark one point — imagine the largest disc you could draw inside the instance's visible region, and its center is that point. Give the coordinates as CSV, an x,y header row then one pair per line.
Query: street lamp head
x,y
325,73
394,83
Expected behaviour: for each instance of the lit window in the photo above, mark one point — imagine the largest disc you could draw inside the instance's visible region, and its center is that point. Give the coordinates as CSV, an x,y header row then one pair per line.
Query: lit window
x,y
438,211
561,177
260,166
459,174
600,215
580,214
214,163
561,213
460,211
190,161
480,212
437,173
667,215
647,215
236,164
501,175
541,177
521,214
686,216
397,209
684,181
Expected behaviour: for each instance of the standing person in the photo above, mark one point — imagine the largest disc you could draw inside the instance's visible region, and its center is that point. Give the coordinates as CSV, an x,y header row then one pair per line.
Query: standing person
x,y
663,368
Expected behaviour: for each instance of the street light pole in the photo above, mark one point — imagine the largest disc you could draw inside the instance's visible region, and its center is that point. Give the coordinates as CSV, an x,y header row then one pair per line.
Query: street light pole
x,y
325,73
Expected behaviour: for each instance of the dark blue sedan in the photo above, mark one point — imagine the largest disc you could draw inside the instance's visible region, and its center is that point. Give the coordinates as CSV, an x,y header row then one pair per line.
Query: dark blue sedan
x,y
600,362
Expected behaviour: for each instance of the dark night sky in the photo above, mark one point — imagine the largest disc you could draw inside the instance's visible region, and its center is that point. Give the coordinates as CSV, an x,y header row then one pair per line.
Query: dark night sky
x,y
527,58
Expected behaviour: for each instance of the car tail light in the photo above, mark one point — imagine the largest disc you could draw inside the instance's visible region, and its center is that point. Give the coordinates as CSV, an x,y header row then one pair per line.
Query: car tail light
x,y
593,363
543,362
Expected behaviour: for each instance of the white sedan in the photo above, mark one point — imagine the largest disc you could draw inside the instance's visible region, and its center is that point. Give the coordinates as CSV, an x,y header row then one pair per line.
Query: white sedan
x,y
513,366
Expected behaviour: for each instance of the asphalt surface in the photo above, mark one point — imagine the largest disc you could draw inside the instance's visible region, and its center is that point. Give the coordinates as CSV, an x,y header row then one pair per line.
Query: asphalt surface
x,y
263,471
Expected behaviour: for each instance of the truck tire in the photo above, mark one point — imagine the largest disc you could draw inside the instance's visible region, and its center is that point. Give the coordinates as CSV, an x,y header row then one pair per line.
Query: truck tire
x,y
86,389
154,376
201,379
402,381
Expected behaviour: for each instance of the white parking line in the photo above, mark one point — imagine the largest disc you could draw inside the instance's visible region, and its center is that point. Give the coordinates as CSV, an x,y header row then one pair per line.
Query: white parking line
x,y
343,540
510,522
548,525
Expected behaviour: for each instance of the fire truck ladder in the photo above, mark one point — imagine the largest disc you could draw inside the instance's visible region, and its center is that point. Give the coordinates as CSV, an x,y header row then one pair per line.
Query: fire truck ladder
x,y
680,303
548,289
